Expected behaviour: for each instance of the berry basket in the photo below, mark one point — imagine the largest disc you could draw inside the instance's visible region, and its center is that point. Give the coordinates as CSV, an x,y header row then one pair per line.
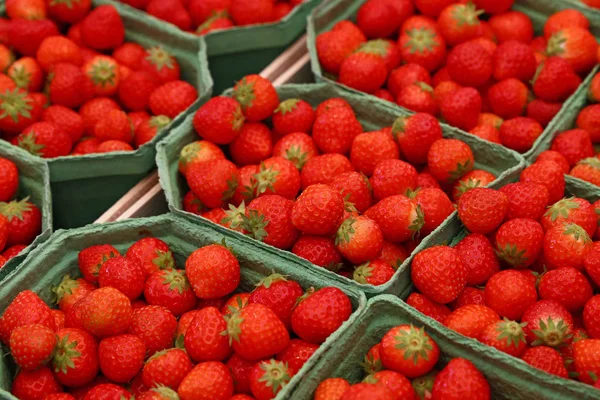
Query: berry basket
x,y
505,164
61,251
508,379
34,181
83,187
243,50
325,16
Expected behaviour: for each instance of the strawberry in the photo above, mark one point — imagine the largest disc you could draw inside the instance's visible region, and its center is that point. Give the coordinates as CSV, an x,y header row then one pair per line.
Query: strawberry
x,y
555,156
75,361
121,357
69,12
566,246
385,49
25,309
9,181
506,336
594,89
166,368
508,98
219,120
13,251
213,181
408,350
542,111
434,310
355,188
574,145
161,393
548,323
586,359
293,115
587,120
422,44
27,9
459,23
394,382
398,217
129,55
416,134
116,126
95,110
547,359
113,145
123,274
460,379
418,97
270,220
407,75
331,388
555,80
170,289
439,284
296,147
510,293
367,390
203,339
44,139
240,371
512,25
478,256
472,180
27,74
213,272
198,152
134,91
155,325
170,11
548,174
67,119
92,258
277,176
172,98
318,250
257,97
444,89
393,177
359,239
469,64
334,102
591,314
244,13
363,71
426,181
69,291
376,272
520,133
104,74
32,345
482,210
587,170
435,205
324,168
514,59
106,312
369,148
69,86
571,210
35,384
449,159
279,294
334,131
471,320
18,111
568,286
102,29
107,391
334,46
267,378
148,129
296,354
372,361
592,264
26,35
519,242
160,64
58,49
235,303
575,45
462,108
201,10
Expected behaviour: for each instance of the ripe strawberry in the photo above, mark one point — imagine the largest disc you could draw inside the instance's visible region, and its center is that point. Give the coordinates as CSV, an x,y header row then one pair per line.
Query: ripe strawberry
x,y
68,120
508,98
296,147
449,159
155,325
32,345
478,256
587,120
44,139
106,312
166,368
70,291
107,391
409,351
575,45
160,64
547,174
396,383
572,210
104,74
407,75
19,110
267,378
172,98
203,339
213,271
462,108
422,44
426,181
585,357
334,131
363,71
512,25
9,181
27,9
473,384
324,168
161,393
555,156
252,145
113,145
566,246
269,219
369,148
69,86
459,23
555,80
13,251
200,11
170,289
519,242
102,29
542,111
121,357
469,64
372,361
506,336
564,19
415,135
568,286
24,221
279,294
58,49
334,46
587,170
514,59
439,284
547,359
471,320
277,176
386,50
435,205
510,293
197,152
26,35
257,97
75,361
92,258
26,74
123,274
296,354
240,371
69,13
393,177
574,145
482,210
355,188
318,250
25,309
149,128
219,120
35,384
398,217
376,272
520,133
434,310
213,181
548,323
474,179
359,239
135,90
418,97
334,102
95,110
293,115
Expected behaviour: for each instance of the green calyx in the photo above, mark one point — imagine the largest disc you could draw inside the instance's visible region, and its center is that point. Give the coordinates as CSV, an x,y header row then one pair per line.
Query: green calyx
x,y
254,224
275,375
244,93
176,280
160,58
348,205
164,260
345,231
189,152
511,332
27,142
461,170
64,355
211,20
551,334
15,208
362,272
371,365
158,122
466,14
157,355
417,223
415,344
556,44
512,255
296,156
378,47
165,393
591,161
370,379
232,185
237,120
287,106
239,304
423,385
66,287
103,73
234,329
271,279
309,292
105,258
562,208
234,216
424,87
21,76
399,126
264,179
577,232
464,186
68,3
421,40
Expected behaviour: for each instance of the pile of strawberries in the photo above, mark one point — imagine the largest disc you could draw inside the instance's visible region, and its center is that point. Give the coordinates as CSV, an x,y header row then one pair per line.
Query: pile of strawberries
x,y
20,220
84,90
204,16
407,352
523,279
133,324
311,181
489,76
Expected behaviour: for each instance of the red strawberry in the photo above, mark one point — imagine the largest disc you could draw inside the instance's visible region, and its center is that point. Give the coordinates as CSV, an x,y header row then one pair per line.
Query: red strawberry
x,y
543,111
240,371
58,49
171,289
508,98
123,274
95,110
407,75
267,378
334,46
572,210
576,45
172,98
568,286
26,35
160,64
32,345
166,368
102,29
482,210
440,285
213,181
152,254
293,115
547,174
472,180
555,80
219,120
257,97
19,110
334,131
320,313
418,97
296,354
355,188
155,325
363,71
69,291
26,74
587,120
92,258
278,176
135,90
519,242
462,108
359,239
376,272
69,86
432,9
121,357
510,293
514,59
26,9
9,183
35,384
25,309
218,387
478,256
393,177
200,11
471,320
469,64
520,133
318,250
70,13
574,144
324,168
512,25
24,221
459,23
75,359
435,205
270,220
279,294
148,129
548,324
203,338
409,351
296,147
472,382
369,148
585,357
421,43
587,170
106,312
197,152
67,119
547,359
555,156
566,246
398,217
449,159
44,139
416,134
213,272
434,310
506,336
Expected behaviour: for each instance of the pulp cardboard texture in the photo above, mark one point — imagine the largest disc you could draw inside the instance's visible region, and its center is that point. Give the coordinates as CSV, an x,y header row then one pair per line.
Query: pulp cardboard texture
x,y
34,181
236,52
503,163
509,378
46,265
83,187
325,16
